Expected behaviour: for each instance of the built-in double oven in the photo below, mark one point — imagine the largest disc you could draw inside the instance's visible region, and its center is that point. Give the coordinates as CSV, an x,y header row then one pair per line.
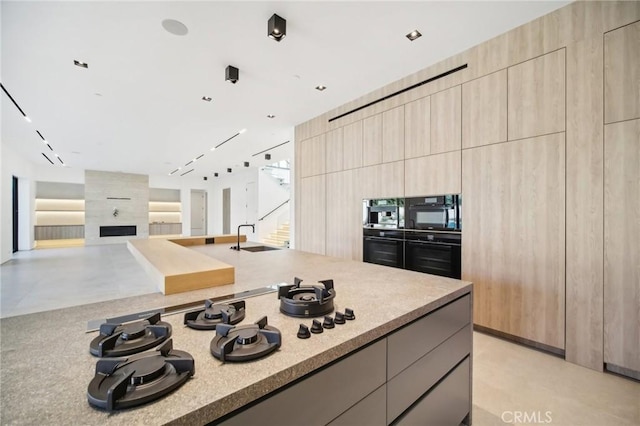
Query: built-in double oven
x,y
421,234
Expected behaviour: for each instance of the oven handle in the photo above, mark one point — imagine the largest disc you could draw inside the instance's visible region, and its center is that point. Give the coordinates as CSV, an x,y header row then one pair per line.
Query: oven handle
x,y
434,243
383,239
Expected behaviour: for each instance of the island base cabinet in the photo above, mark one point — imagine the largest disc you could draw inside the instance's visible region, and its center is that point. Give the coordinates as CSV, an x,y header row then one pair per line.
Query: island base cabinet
x,y
446,404
370,411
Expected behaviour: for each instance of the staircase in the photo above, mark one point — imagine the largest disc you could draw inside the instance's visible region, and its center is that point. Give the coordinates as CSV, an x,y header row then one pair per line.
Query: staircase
x,y
280,237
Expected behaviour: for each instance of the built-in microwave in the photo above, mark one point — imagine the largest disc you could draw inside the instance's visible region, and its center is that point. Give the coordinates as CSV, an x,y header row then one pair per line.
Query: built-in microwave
x,y
437,212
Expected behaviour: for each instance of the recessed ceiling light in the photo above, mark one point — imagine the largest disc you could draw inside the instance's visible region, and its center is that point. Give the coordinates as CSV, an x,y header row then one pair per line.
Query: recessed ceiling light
x,y
321,87
206,98
213,149
242,131
175,27
271,116
413,35
80,64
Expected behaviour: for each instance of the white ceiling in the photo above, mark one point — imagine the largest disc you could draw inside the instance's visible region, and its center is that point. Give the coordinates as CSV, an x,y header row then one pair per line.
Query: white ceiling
x,y
138,107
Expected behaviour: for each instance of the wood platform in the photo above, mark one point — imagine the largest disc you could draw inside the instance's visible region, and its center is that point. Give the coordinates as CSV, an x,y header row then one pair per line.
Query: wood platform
x,y
176,269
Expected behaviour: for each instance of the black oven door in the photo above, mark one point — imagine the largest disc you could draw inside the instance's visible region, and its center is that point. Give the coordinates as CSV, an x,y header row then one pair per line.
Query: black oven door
x,y
438,256
383,248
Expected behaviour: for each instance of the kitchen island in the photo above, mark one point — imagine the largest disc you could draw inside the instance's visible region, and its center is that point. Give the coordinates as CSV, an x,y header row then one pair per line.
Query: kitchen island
x,y
46,365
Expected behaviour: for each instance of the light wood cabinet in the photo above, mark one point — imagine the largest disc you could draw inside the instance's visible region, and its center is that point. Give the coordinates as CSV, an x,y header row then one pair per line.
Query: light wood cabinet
x,y
417,128
484,110
344,216
334,150
433,174
622,73
312,219
622,245
313,156
446,120
393,135
382,181
536,96
372,140
352,145
513,248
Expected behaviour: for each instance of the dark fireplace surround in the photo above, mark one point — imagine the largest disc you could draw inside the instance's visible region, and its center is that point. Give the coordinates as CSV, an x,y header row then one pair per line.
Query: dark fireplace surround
x,y
118,231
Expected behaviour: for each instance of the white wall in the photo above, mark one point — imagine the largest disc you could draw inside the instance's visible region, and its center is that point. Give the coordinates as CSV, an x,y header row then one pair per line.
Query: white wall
x,y
270,196
237,181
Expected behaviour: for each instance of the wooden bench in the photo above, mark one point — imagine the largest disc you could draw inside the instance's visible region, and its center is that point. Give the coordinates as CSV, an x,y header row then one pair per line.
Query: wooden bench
x,y
177,269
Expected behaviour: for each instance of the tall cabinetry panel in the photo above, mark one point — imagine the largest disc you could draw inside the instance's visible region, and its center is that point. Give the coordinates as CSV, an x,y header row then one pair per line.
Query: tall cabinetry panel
x,y
484,110
372,140
382,181
334,150
312,214
536,96
433,174
622,245
622,73
514,211
344,216
393,135
352,145
312,156
584,329
417,128
446,120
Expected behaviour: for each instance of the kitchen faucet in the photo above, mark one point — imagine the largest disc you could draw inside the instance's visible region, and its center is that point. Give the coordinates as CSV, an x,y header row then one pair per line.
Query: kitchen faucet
x,y
253,229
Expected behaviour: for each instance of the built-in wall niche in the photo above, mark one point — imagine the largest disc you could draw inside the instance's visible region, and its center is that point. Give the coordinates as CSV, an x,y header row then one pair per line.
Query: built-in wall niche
x,y
165,212
59,210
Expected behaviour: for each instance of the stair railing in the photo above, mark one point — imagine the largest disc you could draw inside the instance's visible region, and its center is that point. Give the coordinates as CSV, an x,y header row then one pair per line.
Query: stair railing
x,y
274,210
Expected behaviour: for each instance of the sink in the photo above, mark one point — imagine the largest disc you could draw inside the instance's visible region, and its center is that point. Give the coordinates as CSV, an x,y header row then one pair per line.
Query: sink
x,y
258,248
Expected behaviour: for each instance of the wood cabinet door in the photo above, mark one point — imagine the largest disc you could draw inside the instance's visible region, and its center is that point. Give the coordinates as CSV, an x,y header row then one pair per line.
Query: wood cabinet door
x,y
536,96
312,219
417,128
446,120
334,150
622,73
393,135
312,156
622,244
433,174
352,145
484,110
372,140
513,248
344,215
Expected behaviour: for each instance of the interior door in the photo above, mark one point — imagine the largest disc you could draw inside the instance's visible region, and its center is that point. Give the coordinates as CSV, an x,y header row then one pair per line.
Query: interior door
x,y
198,212
226,211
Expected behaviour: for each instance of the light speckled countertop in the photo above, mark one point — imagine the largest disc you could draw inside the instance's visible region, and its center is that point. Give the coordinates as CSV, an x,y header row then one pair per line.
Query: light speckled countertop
x,y
45,365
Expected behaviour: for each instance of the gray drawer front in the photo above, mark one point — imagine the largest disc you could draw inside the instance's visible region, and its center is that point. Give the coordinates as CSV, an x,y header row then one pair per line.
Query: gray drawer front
x,y
370,411
446,405
413,382
412,342
323,396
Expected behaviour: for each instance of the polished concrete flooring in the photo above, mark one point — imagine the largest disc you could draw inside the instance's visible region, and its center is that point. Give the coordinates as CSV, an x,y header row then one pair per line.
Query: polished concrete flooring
x,y
512,384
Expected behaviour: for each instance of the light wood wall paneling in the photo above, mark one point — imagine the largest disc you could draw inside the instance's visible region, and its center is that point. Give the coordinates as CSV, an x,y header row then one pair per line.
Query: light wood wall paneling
x,y
383,180
622,244
352,145
313,156
446,120
344,215
584,316
484,110
393,134
417,130
513,247
313,214
334,150
372,140
433,174
537,96
297,200
622,74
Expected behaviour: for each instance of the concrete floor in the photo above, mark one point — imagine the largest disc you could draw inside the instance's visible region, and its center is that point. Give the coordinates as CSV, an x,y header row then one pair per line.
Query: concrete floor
x,y
512,384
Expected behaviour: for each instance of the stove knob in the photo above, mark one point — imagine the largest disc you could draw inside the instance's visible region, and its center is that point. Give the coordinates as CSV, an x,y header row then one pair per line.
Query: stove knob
x,y
303,332
328,322
316,327
348,314
339,318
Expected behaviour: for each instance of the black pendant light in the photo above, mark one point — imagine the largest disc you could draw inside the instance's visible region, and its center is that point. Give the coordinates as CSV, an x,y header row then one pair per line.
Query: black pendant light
x,y
277,27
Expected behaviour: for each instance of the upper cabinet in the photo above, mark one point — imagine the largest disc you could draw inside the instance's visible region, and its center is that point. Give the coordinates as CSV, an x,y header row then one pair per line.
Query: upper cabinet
x,y
334,150
446,120
393,135
622,73
372,140
352,145
484,110
312,156
536,96
417,128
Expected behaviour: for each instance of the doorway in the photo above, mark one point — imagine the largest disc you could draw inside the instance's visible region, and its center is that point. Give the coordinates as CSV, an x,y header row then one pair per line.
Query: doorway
x,y
226,211
15,214
198,212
